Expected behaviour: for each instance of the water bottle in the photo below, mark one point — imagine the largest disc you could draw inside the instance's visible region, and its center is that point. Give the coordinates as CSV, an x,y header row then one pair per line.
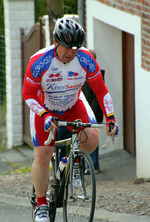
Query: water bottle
x,y
62,165
76,175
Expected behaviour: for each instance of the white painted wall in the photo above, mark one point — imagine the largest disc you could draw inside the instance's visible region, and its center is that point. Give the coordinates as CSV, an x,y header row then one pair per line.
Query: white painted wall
x,y
47,33
109,55
18,14
106,23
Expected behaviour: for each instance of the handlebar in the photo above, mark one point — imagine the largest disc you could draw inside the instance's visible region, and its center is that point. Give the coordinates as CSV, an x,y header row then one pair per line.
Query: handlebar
x,y
50,137
78,124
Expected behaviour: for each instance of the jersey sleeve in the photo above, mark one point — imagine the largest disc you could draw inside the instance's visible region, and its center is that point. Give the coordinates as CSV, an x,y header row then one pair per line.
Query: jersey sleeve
x,y
32,92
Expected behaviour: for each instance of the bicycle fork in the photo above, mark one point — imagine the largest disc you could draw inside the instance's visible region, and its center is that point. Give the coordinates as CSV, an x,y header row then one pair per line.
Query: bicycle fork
x,y
81,168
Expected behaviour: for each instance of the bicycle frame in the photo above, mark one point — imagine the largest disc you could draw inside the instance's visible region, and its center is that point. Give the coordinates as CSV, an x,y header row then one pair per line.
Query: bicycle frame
x,y
74,142
74,149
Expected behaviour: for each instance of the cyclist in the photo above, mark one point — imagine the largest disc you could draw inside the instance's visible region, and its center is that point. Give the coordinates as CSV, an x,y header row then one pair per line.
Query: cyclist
x,y
52,87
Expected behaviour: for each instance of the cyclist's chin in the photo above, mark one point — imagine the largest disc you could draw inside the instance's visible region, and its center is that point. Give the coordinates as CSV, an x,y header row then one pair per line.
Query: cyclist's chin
x,y
68,59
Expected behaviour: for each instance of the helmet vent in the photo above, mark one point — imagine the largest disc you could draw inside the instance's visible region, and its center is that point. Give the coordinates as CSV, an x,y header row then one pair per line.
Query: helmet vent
x,y
60,27
77,27
68,26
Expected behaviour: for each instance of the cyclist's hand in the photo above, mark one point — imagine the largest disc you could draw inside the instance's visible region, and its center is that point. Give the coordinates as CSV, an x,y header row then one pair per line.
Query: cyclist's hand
x,y
114,131
47,122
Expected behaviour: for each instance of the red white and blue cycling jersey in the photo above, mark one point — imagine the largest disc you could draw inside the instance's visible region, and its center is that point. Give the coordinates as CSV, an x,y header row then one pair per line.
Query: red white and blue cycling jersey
x,y
53,86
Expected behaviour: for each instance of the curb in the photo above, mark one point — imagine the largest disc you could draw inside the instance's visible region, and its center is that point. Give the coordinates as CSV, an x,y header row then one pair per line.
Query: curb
x,y
119,217
99,214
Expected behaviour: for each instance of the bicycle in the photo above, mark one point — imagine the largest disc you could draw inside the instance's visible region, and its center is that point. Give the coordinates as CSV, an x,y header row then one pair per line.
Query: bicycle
x,y
75,198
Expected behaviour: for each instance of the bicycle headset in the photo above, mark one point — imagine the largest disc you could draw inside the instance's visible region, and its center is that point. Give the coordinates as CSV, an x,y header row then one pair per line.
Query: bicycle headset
x,y
69,33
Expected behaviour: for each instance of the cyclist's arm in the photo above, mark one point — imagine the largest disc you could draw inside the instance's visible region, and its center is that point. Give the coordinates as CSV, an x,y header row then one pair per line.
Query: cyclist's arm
x,y
31,87
98,86
30,95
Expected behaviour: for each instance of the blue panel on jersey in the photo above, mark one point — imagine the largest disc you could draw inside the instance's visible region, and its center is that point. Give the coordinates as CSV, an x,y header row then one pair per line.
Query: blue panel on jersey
x,y
42,64
86,61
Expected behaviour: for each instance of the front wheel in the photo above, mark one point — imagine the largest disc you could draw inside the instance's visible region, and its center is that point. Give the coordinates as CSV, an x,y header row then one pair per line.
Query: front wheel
x,y
80,191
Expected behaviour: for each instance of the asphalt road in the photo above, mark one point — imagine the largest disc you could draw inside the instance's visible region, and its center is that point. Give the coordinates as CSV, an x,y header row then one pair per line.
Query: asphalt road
x,y
13,213
10,213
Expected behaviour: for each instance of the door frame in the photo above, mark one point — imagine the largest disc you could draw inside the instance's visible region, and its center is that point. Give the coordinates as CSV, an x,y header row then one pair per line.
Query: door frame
x,y
129,135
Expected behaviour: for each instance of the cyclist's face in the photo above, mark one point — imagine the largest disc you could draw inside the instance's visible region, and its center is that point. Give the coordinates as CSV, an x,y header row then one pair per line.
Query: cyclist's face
x,y
66,55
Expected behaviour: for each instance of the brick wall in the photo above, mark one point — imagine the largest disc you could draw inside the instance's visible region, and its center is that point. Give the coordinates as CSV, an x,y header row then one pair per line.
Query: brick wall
x,y
139,8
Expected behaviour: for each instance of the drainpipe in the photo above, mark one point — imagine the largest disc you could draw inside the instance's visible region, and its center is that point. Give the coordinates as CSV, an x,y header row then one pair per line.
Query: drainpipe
x,y
81,12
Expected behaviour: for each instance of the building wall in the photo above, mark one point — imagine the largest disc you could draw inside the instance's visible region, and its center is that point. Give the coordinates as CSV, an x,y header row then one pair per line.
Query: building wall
x,y
18,14
116,18
140,8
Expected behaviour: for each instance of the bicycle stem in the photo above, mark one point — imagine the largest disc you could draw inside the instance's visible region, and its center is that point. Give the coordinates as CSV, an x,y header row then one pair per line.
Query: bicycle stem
x,y
75,144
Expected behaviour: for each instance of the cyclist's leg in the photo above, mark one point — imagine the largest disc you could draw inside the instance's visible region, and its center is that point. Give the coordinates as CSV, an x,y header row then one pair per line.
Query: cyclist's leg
x,y
91,138
82,110
40,167
94,156
42,155
95,160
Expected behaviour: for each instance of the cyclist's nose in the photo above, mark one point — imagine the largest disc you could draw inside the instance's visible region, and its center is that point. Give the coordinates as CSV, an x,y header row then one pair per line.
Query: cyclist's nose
x,y
70,52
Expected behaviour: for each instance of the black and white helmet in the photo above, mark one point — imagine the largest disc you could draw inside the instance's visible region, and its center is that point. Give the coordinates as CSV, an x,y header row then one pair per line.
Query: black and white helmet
x,y
69,33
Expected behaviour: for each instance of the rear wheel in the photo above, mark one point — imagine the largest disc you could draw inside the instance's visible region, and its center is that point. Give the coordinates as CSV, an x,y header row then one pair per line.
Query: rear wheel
x,y
51,193
33,202
80,195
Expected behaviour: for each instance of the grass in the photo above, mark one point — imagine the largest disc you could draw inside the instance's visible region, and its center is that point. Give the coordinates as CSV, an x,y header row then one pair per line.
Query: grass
x,y
23,170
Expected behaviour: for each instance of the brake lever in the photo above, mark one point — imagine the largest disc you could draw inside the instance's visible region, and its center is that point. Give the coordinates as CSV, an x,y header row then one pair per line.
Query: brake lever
x,y
55,120
111,127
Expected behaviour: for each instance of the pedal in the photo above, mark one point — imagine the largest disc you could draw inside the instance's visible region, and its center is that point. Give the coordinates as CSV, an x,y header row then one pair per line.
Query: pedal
x,y
32,199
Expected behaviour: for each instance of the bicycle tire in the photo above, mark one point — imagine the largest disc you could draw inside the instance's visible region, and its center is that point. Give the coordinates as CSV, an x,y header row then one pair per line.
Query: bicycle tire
x,y
51,193
33,203
81,206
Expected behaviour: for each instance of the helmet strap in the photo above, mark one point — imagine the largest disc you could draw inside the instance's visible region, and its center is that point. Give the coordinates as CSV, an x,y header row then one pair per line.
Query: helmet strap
x,y
56,50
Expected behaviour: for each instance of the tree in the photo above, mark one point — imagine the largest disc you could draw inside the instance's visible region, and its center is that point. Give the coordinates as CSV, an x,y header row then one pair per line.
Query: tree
x,y
40,9
70,7
1,18
55,10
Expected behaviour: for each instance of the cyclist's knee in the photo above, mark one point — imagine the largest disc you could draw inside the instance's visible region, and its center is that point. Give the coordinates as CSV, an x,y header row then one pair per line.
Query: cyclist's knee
x,y
90,140
43,155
